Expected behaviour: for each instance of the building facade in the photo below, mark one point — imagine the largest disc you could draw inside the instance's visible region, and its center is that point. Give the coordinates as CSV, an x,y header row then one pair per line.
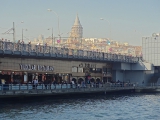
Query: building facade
x,y
151,54
151,49
25,70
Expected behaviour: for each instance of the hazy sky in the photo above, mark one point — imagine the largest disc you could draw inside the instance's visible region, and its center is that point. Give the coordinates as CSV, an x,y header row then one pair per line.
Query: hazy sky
x,y
129,19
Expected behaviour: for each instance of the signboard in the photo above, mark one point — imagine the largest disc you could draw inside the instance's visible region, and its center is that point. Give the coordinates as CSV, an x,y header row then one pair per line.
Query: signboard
x,y
36,67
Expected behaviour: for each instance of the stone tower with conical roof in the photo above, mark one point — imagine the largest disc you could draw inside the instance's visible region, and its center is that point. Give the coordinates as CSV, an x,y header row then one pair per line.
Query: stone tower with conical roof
x,y
75,38
77,29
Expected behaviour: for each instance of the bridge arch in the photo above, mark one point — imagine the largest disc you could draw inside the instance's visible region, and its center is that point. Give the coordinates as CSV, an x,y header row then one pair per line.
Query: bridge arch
x,y
80,80
92,80
74,79
98,80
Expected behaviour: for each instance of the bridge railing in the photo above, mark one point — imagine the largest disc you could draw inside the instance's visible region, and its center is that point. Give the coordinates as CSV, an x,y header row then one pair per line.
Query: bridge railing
x,y
11,48
19,87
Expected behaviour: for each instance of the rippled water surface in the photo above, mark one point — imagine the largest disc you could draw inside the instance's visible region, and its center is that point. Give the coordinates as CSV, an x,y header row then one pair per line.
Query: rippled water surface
x,y
103,107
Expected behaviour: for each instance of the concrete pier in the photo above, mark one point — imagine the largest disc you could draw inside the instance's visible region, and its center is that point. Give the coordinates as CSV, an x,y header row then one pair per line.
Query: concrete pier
x,y
27,90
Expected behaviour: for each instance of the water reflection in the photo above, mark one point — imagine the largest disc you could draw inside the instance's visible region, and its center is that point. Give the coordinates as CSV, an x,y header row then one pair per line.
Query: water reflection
x,y
113,107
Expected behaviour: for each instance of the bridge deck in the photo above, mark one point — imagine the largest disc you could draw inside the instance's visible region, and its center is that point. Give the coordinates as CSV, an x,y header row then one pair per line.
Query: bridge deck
x,y
32,51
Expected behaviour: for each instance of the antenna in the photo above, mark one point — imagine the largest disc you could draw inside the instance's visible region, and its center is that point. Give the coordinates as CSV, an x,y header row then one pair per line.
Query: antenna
x,y
8,32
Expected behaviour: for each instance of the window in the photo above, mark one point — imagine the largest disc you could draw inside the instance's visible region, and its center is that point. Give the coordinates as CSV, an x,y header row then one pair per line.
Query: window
x,y
80,70
95,70
105,70
109,70
98,70
74,69
92,70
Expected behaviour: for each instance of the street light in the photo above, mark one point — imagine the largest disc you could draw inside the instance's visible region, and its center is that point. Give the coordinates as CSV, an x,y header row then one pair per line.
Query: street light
x,y
22,33
22,30
52,38
58,19
109,27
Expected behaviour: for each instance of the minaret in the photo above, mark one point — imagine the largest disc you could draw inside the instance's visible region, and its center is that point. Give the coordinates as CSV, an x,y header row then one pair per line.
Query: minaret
x,y
77,29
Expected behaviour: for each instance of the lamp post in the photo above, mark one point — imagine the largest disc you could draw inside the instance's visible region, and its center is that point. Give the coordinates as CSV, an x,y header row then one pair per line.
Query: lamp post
x,y
57,18
109,27
53,43
14,30
22,33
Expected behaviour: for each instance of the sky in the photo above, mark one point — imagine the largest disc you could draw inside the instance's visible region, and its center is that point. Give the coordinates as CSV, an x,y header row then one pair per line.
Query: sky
x,y
124,20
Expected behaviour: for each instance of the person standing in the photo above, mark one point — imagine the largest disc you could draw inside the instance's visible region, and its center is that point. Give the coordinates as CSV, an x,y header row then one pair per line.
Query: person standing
x,y
36,83
33,83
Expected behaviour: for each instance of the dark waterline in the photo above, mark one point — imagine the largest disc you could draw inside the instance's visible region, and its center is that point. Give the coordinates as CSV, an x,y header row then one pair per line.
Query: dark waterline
x,y
90,107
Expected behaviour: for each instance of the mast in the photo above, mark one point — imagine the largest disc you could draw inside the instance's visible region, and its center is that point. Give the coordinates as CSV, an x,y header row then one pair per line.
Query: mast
x,y
13,33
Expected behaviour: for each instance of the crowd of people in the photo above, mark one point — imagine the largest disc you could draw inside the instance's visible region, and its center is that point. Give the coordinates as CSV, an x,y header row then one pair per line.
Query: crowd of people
x,y
81,84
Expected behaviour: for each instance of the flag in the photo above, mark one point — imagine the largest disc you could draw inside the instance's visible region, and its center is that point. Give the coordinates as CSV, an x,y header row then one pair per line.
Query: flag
x,y
110,49
58,41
